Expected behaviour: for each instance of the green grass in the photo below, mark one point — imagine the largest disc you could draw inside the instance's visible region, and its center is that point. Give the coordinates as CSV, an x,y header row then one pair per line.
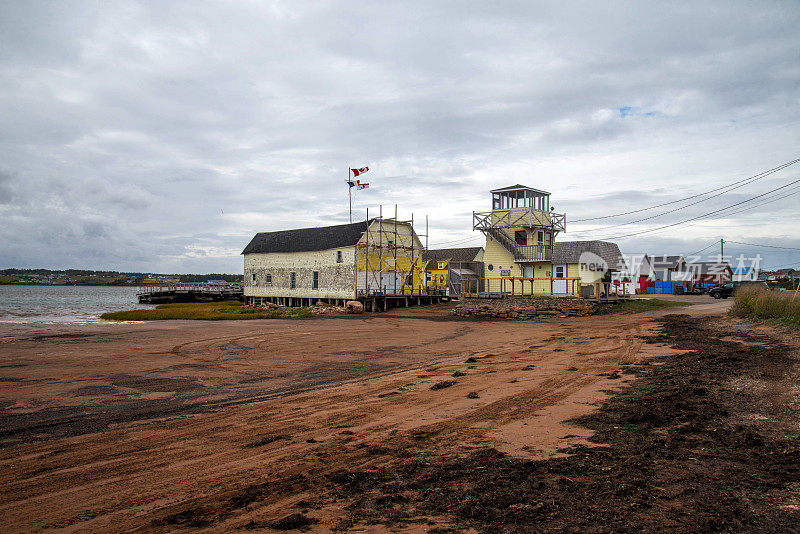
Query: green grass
x,y
641,305
778,307
204,311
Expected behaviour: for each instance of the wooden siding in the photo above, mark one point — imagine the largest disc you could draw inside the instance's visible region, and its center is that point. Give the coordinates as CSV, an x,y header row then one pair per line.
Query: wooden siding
x,y
336,280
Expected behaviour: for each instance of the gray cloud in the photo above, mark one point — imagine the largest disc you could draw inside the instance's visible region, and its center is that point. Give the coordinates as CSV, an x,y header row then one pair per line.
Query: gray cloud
x,y
152,136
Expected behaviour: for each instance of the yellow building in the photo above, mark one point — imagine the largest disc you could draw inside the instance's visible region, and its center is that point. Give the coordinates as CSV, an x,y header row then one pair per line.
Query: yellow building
x,y
376,258
520,231
445,268
569,260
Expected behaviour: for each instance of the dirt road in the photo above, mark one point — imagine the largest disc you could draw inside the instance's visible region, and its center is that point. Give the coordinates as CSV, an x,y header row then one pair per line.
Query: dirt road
x,y
236,425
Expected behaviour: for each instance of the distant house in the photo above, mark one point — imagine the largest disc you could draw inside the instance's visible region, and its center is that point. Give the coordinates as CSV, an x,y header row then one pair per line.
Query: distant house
x,y
664,265
567,262
446,267
705,272
741,274
639,271
784,274
333,263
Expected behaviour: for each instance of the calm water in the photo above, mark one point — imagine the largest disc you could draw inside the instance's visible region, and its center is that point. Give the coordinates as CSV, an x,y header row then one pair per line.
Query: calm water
x,y
64,304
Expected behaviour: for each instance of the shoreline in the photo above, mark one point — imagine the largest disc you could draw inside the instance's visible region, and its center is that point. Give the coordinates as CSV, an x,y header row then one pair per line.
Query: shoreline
x,y
281,417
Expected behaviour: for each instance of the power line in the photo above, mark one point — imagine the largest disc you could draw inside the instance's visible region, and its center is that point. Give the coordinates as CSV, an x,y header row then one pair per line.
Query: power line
x,y
704,215
791,192
753,178
763,246
458,241
703,249
673,210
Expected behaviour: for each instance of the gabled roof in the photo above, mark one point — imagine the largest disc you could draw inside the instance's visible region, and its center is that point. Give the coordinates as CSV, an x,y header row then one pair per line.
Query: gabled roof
x,y
458,255
570,252
307,239
707,267
518,187
665,262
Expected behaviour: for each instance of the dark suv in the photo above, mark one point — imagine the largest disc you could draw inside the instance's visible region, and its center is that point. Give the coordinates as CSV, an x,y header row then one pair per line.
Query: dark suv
x,y
726,290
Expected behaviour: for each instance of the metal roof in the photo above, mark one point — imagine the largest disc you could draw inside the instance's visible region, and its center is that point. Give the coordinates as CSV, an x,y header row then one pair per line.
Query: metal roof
x,y
307,239
665,262
519,187
458,255
570,252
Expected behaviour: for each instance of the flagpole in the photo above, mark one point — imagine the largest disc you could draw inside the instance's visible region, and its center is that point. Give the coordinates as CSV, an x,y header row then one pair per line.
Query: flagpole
x,y
349,194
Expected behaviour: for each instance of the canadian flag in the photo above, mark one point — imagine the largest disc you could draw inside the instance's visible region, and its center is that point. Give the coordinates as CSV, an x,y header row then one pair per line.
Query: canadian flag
x,y
361,185
362,170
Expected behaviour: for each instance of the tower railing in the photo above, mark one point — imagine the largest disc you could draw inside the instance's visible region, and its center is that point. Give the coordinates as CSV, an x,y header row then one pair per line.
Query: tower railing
x,y
518,218
532,253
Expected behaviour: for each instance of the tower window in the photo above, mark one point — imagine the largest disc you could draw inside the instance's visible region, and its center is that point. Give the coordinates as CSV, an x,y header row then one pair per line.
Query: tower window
x,y
521,237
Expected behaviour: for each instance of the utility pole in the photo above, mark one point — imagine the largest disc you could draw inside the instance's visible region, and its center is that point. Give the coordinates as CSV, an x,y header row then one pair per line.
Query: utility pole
x,y
721,248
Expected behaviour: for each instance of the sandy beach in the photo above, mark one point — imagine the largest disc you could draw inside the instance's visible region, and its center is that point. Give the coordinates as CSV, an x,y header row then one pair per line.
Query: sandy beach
x,y
232,425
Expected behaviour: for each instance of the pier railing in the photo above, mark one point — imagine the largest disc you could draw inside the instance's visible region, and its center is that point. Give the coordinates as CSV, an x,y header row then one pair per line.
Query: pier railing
x,y
514,286
200,287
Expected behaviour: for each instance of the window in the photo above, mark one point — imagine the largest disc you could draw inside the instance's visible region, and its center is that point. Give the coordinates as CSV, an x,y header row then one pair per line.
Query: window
x,y
292,280
441,265
254,279
339,256
559,271
315,280
540,237
547,237
268,279
521,237
490,267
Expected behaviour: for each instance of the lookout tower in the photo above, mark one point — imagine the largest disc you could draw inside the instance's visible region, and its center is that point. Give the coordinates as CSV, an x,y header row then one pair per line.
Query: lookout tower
x,y
520,231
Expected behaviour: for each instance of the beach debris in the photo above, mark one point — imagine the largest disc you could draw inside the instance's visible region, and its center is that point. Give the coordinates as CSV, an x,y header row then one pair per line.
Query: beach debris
x,y
473,395
528,368
354,306
459,373
443,384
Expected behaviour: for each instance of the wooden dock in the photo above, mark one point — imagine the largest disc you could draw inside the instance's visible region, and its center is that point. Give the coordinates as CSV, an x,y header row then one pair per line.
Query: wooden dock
x,y
164,294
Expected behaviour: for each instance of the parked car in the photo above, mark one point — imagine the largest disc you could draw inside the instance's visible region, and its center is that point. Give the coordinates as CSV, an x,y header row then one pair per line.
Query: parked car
x,y
726,290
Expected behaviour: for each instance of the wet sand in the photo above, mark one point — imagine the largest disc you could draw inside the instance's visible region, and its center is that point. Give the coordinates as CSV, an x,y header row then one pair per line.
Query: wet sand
x,y
119,427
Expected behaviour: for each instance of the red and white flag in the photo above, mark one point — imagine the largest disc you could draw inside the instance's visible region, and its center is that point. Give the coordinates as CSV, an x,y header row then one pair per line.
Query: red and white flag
x,y
361,185
362,170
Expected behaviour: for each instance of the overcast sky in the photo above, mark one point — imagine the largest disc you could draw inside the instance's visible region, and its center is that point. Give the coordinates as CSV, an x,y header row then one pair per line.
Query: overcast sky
x,y
161,136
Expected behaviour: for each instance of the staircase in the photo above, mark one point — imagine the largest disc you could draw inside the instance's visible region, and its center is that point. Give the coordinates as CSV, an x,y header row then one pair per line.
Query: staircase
x,y
520,253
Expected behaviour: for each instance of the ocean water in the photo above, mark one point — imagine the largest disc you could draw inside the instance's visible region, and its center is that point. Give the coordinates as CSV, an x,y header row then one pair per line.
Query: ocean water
x,y
64,304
